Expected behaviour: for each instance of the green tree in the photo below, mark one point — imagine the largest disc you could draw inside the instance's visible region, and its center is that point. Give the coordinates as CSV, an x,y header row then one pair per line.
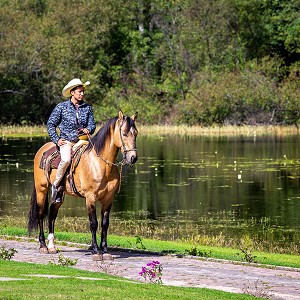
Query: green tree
x,y
166,59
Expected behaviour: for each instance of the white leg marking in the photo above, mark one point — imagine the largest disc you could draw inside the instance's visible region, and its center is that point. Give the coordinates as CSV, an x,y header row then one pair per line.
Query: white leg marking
x,y
51,241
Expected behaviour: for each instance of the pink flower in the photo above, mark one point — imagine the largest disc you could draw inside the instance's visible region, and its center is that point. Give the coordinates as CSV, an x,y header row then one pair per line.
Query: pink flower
x,y
152,272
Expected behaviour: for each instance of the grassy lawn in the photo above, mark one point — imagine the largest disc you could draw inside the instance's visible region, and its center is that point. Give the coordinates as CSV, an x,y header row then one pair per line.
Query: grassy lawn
x,y
36,286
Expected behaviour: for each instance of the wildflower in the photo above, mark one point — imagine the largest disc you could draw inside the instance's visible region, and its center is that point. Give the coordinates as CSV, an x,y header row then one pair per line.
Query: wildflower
x,y
152,272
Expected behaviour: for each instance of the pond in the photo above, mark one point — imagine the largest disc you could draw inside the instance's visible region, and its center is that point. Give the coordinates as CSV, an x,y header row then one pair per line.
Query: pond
x,y
184,180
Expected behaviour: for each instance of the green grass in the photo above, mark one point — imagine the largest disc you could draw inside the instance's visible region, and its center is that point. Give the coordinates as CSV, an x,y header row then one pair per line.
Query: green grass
x,y
107,287
180,248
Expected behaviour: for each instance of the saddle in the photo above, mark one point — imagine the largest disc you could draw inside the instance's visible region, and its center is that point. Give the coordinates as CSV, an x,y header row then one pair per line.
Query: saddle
x,y
51,159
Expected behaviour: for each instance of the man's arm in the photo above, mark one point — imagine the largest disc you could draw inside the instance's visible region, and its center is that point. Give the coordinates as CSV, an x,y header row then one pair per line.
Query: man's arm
x,y
52,123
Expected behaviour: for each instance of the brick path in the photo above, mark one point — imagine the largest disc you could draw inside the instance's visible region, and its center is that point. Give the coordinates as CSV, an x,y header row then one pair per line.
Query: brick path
x,y
276,283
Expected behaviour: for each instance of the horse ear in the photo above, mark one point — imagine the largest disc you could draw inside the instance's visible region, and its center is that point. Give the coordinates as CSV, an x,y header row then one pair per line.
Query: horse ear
x,y
120,115
134,117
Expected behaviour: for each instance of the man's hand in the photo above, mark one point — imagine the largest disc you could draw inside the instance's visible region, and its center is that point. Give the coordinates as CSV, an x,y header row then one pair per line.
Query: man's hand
x,y
85,131
61,142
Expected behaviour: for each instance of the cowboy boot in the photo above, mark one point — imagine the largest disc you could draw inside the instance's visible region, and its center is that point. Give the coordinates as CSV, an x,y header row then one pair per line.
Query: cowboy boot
x,y
57,188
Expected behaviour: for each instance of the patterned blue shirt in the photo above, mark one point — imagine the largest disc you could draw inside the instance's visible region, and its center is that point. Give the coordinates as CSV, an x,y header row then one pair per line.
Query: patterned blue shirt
x,y
64,117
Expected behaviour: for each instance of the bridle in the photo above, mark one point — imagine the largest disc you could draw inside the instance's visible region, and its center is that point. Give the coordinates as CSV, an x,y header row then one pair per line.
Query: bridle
x,y
125,151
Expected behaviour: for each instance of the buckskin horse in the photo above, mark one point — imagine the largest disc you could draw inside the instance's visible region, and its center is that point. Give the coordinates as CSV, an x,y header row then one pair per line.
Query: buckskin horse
x,y
96,178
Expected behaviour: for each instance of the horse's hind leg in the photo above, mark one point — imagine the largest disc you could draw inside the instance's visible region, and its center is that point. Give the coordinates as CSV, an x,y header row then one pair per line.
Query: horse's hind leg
x,y
37,212
43,246
52,217
42,200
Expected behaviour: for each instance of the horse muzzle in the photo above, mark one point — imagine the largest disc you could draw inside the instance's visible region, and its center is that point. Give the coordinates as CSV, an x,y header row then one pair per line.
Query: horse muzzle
x,y
130,157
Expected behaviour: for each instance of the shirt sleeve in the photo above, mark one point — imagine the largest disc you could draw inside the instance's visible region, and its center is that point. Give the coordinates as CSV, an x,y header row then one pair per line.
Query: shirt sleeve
x,y
91,121
53,122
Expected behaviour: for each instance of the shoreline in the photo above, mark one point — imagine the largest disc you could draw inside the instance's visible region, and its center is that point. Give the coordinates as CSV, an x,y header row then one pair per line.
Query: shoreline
x,y
246,130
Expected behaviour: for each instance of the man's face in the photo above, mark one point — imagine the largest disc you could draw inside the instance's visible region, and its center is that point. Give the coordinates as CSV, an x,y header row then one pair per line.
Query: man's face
x,y
78,93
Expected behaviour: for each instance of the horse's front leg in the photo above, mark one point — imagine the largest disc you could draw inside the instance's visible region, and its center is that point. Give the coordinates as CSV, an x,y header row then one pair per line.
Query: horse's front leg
x,y
52,217
104,227
91,208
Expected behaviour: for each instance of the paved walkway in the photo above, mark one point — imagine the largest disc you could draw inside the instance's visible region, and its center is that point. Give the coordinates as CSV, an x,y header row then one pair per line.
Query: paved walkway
x,y
274,283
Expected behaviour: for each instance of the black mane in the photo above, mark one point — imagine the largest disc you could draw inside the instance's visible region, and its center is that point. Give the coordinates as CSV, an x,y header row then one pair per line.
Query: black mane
x,y
99,139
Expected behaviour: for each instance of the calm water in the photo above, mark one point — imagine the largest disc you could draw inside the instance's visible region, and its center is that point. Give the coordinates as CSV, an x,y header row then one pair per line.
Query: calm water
x,y
254,177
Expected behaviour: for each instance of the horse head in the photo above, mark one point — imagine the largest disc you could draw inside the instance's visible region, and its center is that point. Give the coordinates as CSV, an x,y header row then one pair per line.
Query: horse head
x,y
125,135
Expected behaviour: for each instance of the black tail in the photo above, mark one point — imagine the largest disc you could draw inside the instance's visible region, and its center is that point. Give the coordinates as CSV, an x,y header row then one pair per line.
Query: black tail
x,y
33,214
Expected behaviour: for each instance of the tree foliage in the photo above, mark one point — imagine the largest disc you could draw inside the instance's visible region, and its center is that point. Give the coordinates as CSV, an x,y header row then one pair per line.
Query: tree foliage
x,y
181,61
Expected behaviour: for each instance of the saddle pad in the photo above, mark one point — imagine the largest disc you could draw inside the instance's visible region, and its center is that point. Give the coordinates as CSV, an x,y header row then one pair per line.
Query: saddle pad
x,y
54,158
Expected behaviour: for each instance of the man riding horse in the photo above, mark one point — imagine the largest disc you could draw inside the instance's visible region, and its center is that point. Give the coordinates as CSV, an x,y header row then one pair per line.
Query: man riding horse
x,y
75,121
96,178
94,174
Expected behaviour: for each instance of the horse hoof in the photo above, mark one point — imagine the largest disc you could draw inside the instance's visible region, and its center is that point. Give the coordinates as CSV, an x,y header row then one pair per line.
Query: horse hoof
x,y
107,256
43,250
97,257
52,250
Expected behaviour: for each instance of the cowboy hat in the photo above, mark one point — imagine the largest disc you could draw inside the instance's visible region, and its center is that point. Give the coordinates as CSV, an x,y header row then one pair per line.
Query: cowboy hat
x,y
71,85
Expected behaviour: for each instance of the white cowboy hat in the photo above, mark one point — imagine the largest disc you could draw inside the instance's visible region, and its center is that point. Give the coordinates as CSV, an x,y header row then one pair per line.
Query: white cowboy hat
x,y
71,85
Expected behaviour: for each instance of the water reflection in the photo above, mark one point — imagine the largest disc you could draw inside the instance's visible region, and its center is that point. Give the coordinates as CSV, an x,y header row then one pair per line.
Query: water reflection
x,y
254,177
210,175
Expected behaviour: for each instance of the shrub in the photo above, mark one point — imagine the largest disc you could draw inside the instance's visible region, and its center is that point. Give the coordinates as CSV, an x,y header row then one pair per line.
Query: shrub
x,y
229,98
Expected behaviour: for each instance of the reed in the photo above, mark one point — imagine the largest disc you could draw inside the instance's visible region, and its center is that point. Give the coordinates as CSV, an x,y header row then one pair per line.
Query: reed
x,y
22,131
218,130
40,130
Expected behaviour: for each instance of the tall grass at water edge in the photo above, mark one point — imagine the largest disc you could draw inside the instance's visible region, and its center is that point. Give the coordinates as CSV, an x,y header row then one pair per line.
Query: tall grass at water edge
x,y
40,130
218,130
23,131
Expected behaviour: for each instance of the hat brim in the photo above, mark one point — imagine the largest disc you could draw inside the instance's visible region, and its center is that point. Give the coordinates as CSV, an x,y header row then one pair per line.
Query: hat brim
x,y
67,90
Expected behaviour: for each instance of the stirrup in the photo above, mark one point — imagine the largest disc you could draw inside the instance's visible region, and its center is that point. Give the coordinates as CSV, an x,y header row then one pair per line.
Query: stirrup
x,y
56,194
